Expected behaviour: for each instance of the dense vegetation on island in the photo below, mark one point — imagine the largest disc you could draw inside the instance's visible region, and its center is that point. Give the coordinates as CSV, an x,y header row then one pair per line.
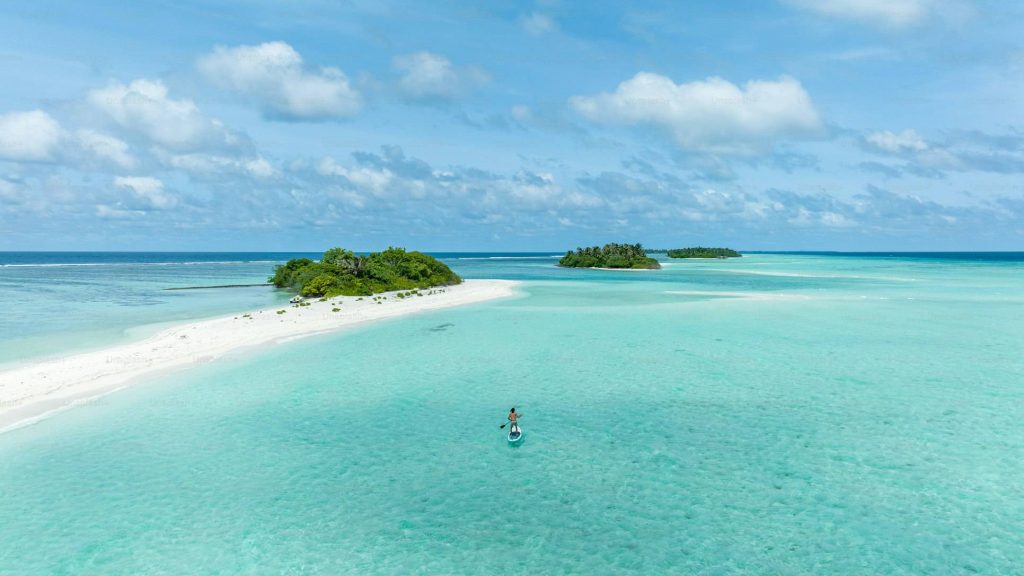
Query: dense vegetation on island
x,y
702,252
343,273
610,256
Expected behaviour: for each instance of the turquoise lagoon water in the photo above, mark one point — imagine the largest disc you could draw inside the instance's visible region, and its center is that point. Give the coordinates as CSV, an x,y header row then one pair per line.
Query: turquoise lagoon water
x,y
779,414
61,301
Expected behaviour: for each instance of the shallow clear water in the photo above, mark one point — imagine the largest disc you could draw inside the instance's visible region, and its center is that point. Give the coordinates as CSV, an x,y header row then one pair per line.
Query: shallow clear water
x,y
779,414
63,301
56,302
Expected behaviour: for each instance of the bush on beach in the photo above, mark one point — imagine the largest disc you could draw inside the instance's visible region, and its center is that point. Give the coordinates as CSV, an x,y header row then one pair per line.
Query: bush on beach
x,y
609,256
341,272
702,252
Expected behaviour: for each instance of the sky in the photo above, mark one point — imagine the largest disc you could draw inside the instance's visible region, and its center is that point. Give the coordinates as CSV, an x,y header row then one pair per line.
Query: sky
x,y
501,125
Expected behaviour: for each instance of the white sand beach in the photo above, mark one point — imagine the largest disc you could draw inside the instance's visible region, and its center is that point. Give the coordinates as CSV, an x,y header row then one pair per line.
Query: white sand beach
x,y
33,391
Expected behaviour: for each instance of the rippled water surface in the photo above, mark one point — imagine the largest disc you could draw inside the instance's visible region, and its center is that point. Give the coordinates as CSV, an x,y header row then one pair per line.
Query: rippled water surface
x,y
776,414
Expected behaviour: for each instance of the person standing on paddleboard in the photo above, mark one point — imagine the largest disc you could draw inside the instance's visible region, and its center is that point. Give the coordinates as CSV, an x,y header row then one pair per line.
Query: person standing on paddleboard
x,y
513,418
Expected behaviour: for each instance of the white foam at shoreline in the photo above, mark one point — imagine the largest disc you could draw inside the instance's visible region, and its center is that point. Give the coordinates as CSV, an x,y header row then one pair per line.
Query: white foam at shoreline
x,y
35,390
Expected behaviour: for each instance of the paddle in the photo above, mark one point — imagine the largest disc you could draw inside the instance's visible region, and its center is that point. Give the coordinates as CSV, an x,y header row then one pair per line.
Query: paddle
x,y
502,427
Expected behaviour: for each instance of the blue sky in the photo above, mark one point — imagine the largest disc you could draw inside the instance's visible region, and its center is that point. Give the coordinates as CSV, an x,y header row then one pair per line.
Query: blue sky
x,y
268,125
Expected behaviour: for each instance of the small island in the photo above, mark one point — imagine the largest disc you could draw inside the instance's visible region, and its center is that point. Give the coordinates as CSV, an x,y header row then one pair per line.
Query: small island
x,y
614,256
341,272
702,252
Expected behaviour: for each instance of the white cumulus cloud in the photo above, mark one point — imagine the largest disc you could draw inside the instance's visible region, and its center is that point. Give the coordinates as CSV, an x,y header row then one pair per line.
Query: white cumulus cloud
x,y
105,147
711,115
426,75
890,13
37,137
906,141
274,75
148,190
29,136
106,212
218,165
145,107
376,181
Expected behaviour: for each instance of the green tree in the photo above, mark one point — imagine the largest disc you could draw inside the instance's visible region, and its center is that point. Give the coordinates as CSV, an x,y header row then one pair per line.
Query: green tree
x,y
702,252
344,260
342,272
609,256
284,275
321,285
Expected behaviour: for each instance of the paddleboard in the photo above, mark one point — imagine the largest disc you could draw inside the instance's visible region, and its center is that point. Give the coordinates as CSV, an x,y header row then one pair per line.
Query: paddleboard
x,y
515,435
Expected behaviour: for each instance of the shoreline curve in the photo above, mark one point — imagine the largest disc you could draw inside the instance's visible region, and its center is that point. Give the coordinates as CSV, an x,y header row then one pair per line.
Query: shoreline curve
x,y
34,391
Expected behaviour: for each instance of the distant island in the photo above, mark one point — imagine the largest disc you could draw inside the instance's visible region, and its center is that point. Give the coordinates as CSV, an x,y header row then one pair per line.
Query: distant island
x,y
631,256
702,252
341,272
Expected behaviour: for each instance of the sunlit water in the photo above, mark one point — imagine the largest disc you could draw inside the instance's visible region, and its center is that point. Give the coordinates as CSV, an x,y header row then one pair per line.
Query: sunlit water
x,y
78,301
778,414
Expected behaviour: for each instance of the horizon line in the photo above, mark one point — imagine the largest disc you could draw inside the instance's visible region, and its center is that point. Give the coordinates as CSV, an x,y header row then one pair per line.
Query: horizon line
x,y
755,251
